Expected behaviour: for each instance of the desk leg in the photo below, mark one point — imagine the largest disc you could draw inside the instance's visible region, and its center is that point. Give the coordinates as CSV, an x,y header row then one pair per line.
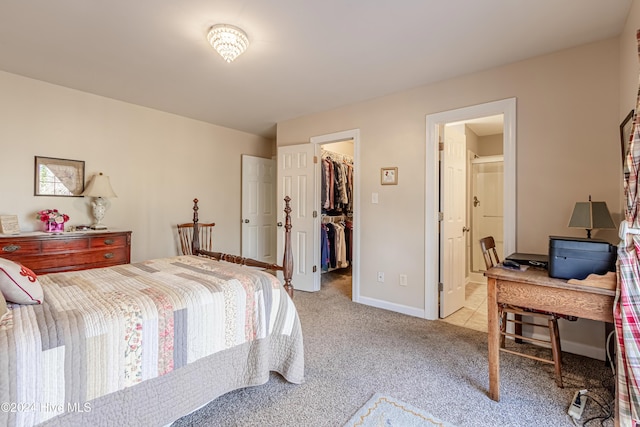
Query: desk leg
x,y
493,329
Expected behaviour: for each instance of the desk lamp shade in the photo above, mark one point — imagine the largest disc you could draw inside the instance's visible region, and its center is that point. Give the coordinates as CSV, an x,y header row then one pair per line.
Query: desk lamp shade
x,y
590,215
100,188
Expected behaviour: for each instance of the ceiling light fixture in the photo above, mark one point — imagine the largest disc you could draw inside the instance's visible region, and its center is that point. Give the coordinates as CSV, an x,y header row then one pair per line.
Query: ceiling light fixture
x,y
229,41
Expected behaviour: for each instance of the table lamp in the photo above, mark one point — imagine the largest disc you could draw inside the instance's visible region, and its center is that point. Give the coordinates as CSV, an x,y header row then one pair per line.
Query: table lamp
x,y
590,215
100,188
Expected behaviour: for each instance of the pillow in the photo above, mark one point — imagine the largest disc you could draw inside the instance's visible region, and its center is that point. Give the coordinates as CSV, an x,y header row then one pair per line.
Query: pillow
x,y
3,308
18,284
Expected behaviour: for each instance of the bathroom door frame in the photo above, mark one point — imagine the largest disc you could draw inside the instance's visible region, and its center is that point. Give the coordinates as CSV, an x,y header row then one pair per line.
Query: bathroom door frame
x,y
506,107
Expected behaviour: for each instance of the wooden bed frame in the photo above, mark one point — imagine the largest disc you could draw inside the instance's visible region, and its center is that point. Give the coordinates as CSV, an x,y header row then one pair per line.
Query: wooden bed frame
x,y
287,260
153,401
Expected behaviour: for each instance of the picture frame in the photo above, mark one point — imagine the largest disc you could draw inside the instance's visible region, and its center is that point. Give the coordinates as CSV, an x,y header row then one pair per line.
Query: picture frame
x,y
58,177
626,127
9,224
389,176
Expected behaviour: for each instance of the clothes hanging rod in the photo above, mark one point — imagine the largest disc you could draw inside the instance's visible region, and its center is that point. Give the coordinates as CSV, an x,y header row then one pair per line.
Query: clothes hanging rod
x,y
343,157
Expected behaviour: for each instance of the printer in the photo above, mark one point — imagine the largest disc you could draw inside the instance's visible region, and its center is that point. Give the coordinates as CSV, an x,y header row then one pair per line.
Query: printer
x,y
576,258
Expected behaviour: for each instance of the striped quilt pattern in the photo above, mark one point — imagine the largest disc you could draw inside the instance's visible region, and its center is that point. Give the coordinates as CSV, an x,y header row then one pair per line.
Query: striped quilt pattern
x,y
106,329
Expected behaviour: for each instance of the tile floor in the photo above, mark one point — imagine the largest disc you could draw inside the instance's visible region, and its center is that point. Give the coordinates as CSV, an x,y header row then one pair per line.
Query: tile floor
x,y
474,313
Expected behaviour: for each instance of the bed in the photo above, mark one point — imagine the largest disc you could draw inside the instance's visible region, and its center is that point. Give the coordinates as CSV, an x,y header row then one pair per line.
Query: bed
x,y
146,343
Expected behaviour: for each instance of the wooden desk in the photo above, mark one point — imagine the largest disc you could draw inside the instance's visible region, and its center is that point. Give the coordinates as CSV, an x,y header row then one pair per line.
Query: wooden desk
x,y
534,288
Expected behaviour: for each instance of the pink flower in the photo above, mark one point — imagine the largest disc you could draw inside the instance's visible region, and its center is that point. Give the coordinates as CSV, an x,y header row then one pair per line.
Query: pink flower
x,y
52,215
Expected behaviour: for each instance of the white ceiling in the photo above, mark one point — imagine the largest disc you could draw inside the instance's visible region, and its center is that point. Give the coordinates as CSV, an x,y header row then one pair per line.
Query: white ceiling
x,y
304,55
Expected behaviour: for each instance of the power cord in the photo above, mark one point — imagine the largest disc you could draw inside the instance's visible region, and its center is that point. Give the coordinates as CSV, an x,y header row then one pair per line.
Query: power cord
x,y
578,403
611,365
604,407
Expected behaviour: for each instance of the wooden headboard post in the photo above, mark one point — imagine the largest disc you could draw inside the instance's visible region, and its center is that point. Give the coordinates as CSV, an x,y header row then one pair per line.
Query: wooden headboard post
x,y
287,260
195,242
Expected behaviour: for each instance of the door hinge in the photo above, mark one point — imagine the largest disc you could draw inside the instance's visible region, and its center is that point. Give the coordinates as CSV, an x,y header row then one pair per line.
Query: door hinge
x,y
315,159
315,214
440,287
315,268
440,216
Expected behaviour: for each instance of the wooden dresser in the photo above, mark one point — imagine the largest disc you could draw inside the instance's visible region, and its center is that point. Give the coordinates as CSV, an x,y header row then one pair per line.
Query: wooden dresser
x,y
49,253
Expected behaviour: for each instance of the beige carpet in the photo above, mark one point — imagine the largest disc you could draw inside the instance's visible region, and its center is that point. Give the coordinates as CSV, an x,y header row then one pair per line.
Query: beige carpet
x,y
353,351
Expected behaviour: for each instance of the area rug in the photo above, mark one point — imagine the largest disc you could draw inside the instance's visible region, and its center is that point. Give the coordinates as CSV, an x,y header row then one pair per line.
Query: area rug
x,y
386,411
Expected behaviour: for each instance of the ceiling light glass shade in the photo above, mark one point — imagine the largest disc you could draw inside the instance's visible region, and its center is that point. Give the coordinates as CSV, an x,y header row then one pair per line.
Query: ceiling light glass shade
x,y
229,41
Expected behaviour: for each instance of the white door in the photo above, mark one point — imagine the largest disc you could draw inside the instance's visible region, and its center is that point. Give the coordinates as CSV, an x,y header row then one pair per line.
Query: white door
x,y
296,179
258,209
452,202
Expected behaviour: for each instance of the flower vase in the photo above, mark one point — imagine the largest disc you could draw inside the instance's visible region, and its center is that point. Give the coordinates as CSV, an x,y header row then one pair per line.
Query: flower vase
x,y
53,227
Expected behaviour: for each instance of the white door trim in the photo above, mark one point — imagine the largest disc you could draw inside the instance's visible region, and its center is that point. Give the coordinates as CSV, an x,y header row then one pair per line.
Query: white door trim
x,y
507,107
353,134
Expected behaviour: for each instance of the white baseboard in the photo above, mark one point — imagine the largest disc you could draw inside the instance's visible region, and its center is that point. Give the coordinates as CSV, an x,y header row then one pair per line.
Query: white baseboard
x,y
598,353
386,305
477,278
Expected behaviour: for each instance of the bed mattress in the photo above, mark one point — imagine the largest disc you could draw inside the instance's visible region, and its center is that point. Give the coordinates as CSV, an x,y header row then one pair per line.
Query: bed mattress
x,y
106,333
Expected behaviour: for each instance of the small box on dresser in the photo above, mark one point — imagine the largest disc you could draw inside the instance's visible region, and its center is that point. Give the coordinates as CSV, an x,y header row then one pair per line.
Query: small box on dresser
x,y
50,253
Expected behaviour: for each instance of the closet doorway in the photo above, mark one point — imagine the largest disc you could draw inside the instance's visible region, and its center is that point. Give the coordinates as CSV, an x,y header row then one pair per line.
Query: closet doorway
x,y
336,218
347,145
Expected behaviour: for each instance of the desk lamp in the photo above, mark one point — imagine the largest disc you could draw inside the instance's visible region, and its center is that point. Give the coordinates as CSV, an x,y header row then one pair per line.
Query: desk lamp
x,y
590,215
100,188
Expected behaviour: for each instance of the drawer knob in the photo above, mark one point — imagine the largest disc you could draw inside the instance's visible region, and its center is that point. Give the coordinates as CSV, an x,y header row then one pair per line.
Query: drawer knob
x,y
11,248
109,242
108,255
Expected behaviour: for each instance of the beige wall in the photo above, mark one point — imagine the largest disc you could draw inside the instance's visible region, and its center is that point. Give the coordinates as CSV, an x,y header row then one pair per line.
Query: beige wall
x,y
157,162
629,64
567,149
491,145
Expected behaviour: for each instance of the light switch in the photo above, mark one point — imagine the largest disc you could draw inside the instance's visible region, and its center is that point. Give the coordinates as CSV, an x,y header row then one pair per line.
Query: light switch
x,y
374,197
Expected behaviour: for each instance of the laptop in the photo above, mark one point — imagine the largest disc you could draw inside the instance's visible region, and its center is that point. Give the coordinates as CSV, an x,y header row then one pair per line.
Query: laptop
x,y
534,260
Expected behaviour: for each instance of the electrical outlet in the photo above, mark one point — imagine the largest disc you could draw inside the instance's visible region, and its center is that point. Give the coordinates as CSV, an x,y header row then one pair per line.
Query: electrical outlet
x,y
403,280
380,276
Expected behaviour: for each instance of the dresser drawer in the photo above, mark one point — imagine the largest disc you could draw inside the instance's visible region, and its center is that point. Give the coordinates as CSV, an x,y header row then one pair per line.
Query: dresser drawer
x,y
109,241
64,245
110,256
19,247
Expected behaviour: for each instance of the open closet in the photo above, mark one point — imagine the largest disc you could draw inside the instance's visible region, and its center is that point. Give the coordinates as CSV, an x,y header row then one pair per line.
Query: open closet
x,y
337,205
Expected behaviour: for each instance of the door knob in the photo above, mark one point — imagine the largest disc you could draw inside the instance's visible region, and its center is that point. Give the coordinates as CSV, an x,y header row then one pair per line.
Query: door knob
x,y
465,229
279,224
476,202
246,221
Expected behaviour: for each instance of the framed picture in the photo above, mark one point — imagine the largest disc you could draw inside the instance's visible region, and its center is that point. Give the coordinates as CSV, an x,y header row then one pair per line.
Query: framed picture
x,y
58,177
389,176
626,127
9,224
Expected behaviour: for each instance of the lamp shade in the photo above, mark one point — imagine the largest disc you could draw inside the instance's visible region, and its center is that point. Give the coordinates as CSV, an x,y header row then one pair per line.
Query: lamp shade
x,y
590,215
100,186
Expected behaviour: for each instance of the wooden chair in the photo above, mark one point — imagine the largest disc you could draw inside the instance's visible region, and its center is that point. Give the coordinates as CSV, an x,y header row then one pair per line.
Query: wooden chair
x,y
491,259
185,233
